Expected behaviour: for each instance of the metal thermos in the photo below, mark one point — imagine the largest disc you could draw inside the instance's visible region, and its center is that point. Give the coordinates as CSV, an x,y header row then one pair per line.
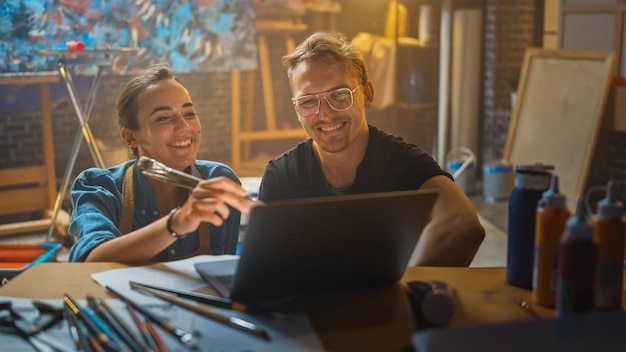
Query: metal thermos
x,y
530,183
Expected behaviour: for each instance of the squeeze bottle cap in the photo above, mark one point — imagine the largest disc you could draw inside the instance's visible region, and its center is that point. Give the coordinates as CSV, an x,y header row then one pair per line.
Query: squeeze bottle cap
x,y
73,46
552,198
577,227
536,168
609,207
536,176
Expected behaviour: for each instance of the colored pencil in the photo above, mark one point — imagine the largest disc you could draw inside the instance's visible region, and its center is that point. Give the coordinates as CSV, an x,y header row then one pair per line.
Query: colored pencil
x,y
116,324
95,330
186,338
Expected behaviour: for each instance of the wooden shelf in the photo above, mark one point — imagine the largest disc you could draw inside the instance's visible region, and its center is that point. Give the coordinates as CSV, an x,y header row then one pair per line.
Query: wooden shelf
x,y
242,133
33,188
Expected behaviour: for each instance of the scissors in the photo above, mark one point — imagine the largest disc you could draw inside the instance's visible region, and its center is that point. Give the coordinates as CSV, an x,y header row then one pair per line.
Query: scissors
x,y
13,322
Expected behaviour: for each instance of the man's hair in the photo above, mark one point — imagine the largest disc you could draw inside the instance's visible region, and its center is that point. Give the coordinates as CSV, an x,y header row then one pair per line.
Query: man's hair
x,y
327,47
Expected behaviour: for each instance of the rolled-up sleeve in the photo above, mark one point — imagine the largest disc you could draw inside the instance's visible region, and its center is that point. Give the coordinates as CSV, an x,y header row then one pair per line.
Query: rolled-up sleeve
x,y
96,210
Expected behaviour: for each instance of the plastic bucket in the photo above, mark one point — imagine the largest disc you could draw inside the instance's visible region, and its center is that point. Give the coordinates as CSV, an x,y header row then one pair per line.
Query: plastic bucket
x,y
498,180
461,163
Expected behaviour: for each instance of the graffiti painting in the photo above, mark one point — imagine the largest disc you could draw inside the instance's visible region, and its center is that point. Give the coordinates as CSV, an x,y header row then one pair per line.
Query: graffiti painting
x,y
192,35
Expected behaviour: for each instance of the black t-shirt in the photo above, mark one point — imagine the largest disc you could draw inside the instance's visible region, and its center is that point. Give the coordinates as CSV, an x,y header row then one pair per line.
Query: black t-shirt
x,y
389,164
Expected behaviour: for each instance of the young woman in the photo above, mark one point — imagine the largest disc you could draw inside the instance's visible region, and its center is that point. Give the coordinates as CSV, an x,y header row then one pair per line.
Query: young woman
x,y
123,216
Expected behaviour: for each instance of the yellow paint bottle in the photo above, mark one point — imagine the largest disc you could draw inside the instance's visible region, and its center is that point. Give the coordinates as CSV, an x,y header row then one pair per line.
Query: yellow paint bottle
x,y
551,216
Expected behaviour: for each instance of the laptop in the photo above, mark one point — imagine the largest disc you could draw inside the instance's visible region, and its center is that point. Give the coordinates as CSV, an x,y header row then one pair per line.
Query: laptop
x,y
321,245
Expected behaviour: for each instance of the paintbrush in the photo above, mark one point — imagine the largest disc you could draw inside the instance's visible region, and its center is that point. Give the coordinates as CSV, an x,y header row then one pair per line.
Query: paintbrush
x,y
159,171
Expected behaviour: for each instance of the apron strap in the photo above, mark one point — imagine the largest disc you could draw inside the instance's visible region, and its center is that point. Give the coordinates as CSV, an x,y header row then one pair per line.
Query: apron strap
x,y
128,211
128,201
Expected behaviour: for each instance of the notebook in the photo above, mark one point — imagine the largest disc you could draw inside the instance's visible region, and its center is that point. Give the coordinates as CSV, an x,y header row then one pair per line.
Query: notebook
x,y
322,245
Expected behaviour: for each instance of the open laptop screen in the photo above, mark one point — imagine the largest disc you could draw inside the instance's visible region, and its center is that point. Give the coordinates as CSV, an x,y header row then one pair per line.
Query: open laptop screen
x,y
328,244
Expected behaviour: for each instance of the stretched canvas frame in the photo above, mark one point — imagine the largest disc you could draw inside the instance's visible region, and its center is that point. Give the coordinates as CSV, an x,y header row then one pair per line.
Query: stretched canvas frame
x,y
559,106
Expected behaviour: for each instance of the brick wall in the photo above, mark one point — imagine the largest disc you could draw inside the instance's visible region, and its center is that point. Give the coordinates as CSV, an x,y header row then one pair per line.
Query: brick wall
x,y
509,29
20,139
609,161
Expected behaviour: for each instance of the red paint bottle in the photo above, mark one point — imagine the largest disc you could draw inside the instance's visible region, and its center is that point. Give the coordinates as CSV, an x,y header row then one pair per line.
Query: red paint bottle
x,y
578,255
609,229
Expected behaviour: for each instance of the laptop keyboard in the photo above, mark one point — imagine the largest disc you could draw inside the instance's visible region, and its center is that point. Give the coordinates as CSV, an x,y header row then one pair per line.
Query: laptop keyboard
x,y
226,280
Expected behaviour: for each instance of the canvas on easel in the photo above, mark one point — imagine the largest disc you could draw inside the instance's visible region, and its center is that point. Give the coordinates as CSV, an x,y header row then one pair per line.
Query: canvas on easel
x,y
558,112
193,36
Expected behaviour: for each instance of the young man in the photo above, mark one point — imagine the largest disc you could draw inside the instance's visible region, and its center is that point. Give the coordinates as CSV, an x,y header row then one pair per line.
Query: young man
x,y
345,155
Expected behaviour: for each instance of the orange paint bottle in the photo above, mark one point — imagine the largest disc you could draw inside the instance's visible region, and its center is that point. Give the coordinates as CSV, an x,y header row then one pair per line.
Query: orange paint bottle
x,y
551,216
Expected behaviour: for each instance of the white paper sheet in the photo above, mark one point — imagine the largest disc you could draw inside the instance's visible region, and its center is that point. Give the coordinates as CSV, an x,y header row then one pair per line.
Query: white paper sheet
x,y
289,332
179,274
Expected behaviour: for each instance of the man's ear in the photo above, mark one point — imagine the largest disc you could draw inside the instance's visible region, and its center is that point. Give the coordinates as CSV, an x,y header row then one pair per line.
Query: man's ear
x,y
368,88
129,137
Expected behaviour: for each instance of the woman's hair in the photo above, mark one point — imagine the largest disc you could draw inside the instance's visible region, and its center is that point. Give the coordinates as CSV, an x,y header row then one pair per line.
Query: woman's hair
x,y
127,106
328,47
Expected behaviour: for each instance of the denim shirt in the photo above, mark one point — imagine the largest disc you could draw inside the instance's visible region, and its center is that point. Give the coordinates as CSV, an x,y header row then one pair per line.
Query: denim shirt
x,y
96,196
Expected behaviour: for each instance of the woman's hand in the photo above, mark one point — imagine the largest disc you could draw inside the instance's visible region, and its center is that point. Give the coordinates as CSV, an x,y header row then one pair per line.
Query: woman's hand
x,y
208,202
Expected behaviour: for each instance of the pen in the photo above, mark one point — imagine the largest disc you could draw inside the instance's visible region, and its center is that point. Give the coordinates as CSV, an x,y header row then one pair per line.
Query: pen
x,y
81,341
234,322
118,326
161,345
104,327
141,326
93,328
95,345
528,308
215,301
184,337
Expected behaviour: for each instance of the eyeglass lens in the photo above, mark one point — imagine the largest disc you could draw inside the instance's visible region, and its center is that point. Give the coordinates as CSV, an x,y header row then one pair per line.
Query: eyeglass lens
x,y
338,100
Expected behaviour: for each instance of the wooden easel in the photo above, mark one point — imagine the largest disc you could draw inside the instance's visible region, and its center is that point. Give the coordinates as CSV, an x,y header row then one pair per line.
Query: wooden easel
x,y
287,26
32,188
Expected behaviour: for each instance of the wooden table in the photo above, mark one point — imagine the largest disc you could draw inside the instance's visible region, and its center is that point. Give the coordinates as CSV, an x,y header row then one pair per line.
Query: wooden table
x,y
366,320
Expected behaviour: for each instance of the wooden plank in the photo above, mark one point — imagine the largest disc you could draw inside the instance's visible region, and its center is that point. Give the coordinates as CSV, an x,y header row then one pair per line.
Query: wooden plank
x,y
557,115
39,225
275,134
23,200
280,26
20,228
48,142
249,111
29,77
235,86
23,176
266,80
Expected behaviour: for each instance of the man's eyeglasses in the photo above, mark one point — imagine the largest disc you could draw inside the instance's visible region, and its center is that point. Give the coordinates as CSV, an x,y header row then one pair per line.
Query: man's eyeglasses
x,y
339,100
